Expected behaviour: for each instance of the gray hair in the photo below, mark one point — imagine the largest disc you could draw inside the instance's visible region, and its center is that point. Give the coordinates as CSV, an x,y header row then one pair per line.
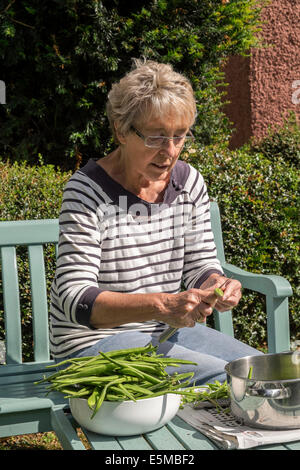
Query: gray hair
x,y
150,90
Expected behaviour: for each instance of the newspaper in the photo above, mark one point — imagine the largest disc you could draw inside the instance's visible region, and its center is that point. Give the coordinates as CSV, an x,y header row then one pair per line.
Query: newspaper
x,y
227,432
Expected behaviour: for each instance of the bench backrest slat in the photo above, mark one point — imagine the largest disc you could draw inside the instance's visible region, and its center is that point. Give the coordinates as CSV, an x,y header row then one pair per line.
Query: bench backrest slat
x,y
28,232
39,303
217,230
33,234
11,303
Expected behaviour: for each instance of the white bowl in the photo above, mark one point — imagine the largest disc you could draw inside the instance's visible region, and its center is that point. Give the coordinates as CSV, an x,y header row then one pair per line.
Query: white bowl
x,y
126,418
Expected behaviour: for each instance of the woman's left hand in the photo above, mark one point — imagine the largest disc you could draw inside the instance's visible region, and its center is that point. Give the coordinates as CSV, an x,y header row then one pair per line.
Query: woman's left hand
x,y
232,291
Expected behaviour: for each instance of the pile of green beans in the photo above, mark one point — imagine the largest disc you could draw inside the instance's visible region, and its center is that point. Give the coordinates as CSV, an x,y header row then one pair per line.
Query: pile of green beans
x,y
119,375
212,392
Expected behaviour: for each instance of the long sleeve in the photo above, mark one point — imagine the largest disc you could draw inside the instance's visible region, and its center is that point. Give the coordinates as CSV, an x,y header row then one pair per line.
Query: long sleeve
x,y
200,255
79,253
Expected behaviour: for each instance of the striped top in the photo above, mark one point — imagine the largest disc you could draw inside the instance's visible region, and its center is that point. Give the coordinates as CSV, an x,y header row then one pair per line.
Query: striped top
x,y
110,239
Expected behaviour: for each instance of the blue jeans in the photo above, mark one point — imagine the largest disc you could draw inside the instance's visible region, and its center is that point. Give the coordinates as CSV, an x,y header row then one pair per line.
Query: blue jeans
x,y
209,348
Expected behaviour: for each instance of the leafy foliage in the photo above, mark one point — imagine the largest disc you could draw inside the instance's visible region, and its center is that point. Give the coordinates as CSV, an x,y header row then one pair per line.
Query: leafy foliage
x,y
282,142
258,198
59,59
29,193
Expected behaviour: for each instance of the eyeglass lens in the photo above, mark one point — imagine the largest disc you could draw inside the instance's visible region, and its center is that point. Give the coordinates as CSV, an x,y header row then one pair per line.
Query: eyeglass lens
x,y
158,141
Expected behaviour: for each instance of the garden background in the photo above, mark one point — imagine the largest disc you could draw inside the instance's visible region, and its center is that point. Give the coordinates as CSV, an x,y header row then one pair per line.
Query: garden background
x,y
58,61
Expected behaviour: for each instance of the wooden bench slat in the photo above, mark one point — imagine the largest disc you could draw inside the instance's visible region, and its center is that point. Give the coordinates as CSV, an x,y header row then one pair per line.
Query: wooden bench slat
x,y
133,443
26,367
191,438
15,405
29,232
39,303
64,430
101,442
271,447
22,394
163,439
11,301
292,445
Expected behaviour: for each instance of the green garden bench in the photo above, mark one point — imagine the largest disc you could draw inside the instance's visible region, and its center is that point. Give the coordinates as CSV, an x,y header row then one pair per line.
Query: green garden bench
x,y
25,408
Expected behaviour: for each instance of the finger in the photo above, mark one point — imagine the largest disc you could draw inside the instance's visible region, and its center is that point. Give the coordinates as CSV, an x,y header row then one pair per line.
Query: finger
x,y
221,281
232,289
209,297
201,319
205,309
229,303
223,307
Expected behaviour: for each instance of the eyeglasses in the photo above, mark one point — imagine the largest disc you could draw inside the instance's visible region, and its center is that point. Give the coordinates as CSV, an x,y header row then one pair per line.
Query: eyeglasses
x,y
156,141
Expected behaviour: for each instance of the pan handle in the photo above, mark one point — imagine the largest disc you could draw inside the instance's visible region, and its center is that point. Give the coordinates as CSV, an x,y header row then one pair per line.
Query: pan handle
x,y
277,393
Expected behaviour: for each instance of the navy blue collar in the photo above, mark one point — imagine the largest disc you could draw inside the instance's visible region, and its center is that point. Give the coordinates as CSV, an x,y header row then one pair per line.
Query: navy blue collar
x,y
114,189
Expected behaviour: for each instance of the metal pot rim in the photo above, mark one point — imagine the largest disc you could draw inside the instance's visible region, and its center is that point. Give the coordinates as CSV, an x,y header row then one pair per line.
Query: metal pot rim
x,y
245,358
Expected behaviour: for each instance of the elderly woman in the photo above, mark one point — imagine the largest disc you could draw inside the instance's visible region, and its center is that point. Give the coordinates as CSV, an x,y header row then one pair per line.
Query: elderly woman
x,y
134,230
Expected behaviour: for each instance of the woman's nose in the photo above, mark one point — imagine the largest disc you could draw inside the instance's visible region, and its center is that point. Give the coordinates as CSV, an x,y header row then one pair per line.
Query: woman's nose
x,y
169,147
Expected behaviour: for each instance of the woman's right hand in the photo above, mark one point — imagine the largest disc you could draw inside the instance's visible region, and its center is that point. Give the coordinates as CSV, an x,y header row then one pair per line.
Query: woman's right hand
x,y
186,308
111,309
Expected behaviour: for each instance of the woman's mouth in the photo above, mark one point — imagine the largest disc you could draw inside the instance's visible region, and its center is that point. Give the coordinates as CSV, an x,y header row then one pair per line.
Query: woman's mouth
x,y
161,166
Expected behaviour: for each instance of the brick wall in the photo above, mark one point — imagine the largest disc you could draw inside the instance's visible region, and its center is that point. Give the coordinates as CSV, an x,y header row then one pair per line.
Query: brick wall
x,y
264,87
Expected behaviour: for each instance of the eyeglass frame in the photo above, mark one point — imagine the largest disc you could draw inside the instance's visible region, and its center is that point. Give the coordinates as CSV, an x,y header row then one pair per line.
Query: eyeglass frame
x,y
165,138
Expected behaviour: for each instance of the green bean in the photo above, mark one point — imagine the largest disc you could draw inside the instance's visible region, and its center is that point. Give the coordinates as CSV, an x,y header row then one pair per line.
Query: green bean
x,y
89,379
138,388
100,398
116,392
68,371
113,397
165,391
96,370
160,385
170,362
92,398
133,373
141,349
218,292
131,370
146,368
122,388
167,381
75,394
97,361
143,375
65,361
214,392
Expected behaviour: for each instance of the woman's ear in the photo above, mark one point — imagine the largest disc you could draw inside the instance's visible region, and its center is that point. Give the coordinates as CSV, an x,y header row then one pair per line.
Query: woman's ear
x,y
120,136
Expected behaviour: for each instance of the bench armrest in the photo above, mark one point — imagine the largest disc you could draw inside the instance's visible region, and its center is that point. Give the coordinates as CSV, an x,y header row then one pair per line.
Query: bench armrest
x,y
267,284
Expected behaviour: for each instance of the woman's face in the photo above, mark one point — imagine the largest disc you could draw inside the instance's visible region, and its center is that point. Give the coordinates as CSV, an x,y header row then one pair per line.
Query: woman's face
x,y
153,164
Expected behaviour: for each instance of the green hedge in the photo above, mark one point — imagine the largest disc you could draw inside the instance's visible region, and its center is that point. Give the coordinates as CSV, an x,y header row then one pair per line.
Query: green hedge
x,y
281,142
258,198
29,193
259,202
60,58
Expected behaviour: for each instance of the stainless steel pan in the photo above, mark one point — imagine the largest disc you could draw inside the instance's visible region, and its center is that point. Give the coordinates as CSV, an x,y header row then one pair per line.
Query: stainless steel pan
x,y
271,398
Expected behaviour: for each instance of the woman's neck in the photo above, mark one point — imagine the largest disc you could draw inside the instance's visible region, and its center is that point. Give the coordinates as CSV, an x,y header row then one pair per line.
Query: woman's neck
x,y
119,169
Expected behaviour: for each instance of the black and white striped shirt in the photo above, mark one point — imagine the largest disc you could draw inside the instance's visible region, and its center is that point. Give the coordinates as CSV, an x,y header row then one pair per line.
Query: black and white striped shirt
x,y
110,239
